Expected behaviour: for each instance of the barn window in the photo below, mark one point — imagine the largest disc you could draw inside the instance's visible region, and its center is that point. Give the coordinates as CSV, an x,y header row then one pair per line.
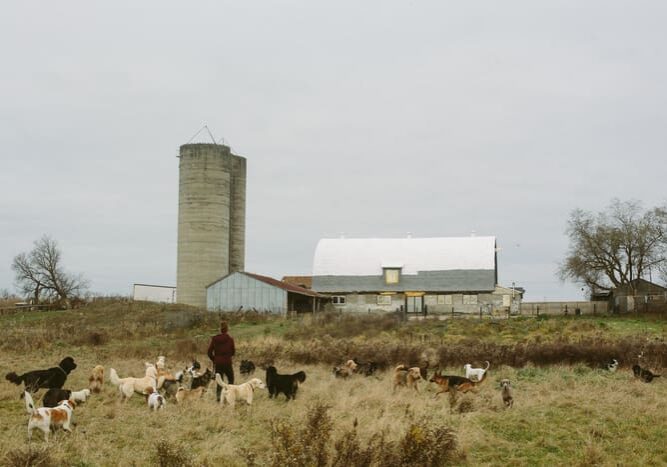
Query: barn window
x,y
338,299
392,275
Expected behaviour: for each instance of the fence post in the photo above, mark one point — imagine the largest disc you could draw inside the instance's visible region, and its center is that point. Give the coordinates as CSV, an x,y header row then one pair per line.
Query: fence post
x,y
480,312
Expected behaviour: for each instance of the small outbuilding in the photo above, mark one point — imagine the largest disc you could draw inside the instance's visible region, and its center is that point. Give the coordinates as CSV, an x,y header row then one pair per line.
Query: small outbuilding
x,y
247,291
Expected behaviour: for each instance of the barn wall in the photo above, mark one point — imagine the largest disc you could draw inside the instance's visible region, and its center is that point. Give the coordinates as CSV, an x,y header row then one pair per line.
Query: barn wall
x,y
154,293
238,290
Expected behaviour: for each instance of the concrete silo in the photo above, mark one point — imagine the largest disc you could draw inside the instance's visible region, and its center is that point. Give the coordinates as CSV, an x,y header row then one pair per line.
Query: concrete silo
x,y
211,219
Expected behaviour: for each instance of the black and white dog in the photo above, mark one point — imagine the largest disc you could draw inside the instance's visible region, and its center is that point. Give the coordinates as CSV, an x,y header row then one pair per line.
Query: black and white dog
x,y
611,365
287,384
51,378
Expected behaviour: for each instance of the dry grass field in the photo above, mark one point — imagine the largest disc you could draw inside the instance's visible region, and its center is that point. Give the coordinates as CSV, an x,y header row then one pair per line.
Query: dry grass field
x,y
566,412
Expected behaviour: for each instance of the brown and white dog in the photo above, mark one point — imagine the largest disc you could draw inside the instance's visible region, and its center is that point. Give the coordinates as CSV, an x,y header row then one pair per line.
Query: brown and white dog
x,y
155,400
184,395
44,418
346,370
96,379
232,392
128,386
453,383
407,377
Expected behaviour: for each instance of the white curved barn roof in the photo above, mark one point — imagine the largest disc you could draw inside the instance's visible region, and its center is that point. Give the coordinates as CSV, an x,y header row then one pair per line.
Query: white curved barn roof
x,y
367,256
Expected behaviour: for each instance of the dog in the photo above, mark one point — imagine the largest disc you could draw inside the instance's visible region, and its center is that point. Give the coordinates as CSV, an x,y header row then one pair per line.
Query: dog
x,y
184,395
160,362
44,418
155,400
247,367
80,396
286,384
365,368
202,380
454,383
51,378
506,392
233,392
611,366
407,377
53,396
128,386
475,374
96,379
346,370
644,374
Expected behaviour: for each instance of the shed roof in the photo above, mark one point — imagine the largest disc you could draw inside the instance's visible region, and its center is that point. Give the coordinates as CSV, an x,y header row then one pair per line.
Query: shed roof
x,y
275,283
367,256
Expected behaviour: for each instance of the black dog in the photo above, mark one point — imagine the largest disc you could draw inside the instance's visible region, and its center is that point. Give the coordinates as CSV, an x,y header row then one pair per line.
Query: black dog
x,y
365,368
202,380
287,384
247,367
52,378
644,374
53,396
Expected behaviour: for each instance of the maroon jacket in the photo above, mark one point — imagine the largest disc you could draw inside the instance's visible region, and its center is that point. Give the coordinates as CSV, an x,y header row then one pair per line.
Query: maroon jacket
x,y
221,349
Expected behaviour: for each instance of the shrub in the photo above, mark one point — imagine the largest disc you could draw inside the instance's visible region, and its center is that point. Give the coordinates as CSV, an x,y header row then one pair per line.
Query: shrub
x,y
171,455
30,457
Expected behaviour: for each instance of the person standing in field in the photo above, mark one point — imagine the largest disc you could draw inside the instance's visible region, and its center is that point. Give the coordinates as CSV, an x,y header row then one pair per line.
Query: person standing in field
x,y
220,351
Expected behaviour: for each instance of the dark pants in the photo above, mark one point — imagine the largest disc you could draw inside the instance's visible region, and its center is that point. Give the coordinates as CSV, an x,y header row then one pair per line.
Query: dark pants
x,y
224,370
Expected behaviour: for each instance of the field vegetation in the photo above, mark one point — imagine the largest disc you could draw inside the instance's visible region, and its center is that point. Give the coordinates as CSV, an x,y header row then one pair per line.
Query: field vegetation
x,y
567,411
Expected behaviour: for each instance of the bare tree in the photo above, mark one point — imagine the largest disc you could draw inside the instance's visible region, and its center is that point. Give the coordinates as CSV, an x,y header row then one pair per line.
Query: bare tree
x,y
616,246
39,273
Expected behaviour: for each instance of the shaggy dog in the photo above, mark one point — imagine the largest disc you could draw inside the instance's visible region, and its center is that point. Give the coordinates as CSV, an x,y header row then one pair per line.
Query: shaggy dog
x,y
247,367
155,400
407,377
202,380
475,374
453,383
233,392
96,379
506,392
53,396
183,395
52,378
348,369
45,418
644,374
365,368
287,384
128,386
160,362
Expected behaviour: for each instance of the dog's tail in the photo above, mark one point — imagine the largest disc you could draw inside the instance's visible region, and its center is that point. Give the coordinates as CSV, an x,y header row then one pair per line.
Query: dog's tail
x,y
221,383
29,403
301,376
488,365
14,378
113,377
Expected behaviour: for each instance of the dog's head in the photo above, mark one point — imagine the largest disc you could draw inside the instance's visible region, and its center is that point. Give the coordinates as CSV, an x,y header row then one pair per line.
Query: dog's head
x,y
257,383
151,371
160,362
505,383
300,376
67,364
67,403
436,377
86,392
271,371
467,367
415,373
351,365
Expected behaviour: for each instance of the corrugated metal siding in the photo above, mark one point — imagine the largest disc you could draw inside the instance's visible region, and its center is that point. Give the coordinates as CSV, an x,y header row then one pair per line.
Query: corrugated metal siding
x,y
239,290
432,281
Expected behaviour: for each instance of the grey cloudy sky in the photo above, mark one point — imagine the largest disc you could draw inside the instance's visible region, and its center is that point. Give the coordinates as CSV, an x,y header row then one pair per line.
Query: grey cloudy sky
x,y
372,118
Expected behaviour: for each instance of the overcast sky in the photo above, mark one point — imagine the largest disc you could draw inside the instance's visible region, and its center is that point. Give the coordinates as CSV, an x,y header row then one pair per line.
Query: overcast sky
x,y
372,118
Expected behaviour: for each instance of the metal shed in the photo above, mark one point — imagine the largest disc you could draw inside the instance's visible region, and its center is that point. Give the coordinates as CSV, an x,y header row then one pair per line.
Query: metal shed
x,y
247,291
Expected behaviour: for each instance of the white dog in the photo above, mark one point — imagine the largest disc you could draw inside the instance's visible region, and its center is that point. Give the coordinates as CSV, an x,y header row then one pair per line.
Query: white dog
x,y
80,396
160,364
128,386
46,417
232,392
156,401
475,374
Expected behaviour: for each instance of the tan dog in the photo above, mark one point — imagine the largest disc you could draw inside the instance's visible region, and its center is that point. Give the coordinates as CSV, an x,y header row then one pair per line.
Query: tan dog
x,y
96,379
407,377
46,418
184,395
128,386
232,392
345,370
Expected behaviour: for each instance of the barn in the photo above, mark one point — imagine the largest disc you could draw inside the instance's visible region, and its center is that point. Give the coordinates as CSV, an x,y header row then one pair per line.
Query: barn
x,y
247,291
415,275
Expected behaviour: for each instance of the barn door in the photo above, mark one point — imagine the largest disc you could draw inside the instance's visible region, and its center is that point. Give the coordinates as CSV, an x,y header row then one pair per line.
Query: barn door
x,y
414,304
